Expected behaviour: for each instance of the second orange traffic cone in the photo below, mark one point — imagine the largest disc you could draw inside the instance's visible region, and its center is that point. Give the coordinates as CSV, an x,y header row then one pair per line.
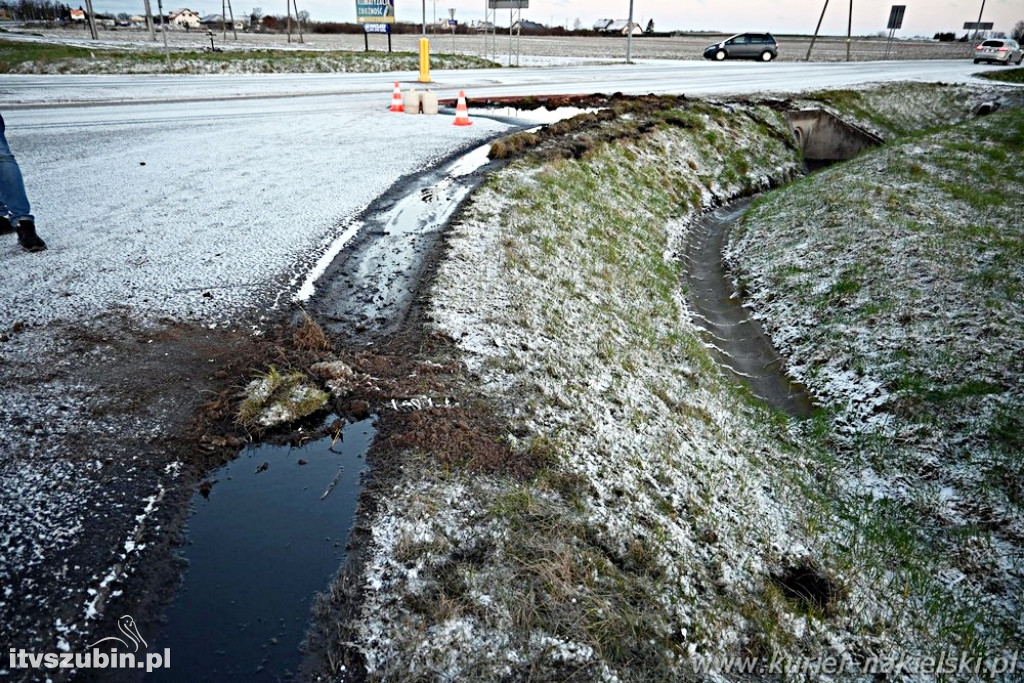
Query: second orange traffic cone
x,y
396,99
462,111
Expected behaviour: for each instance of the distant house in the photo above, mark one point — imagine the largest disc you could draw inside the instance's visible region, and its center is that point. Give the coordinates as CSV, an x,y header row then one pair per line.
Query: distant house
x,y
527,26
184,18
216,21
620,26
603,24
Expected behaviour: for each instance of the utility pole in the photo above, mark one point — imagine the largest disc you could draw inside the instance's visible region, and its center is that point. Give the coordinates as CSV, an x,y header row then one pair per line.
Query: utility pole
x,y
149,22
629,35
224,19
979,22
288,6
92,20
163,31
849,32
231,12
816,30
424,18
298,20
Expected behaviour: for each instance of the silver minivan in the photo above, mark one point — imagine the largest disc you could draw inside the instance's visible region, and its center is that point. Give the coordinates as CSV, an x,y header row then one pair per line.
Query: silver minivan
x,y
760,46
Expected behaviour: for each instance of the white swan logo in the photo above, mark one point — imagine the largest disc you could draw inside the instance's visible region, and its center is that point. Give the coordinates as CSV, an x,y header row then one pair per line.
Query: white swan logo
x,y
127,626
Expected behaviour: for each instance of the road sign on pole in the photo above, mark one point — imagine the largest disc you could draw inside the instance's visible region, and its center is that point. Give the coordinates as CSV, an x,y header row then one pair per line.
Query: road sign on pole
x,y
895,22
896,17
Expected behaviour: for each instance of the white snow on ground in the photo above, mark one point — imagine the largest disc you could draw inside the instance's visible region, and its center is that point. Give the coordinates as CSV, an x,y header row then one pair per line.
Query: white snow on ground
x,y
892,284
202,213
569,311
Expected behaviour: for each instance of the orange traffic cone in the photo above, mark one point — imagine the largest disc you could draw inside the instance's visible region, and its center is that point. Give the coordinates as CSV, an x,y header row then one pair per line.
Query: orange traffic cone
x,y
462,111
396,99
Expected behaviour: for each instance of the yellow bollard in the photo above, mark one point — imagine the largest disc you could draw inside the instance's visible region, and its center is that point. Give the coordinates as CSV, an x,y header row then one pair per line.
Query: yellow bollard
x,y
424,60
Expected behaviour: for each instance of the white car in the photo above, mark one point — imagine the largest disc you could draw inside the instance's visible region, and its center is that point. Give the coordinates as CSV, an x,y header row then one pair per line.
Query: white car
x,y
998,50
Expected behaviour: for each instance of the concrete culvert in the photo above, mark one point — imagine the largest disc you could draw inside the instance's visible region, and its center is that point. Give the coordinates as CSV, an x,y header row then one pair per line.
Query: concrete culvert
x,y
986,108
824,138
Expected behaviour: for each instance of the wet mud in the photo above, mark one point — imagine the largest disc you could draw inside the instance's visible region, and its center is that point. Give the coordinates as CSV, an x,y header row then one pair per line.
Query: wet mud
x,y
365,294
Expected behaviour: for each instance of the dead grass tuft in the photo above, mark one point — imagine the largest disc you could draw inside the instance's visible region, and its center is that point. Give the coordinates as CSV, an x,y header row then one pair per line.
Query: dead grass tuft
x,y
310,336
463,438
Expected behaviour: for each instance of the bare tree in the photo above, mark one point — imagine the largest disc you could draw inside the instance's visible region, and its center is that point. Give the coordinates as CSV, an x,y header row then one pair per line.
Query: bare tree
x,y
1018,32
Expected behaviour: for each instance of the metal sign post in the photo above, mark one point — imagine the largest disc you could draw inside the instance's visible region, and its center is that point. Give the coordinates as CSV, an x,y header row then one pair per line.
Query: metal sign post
x,y
629,35
895,22
452,24
515,17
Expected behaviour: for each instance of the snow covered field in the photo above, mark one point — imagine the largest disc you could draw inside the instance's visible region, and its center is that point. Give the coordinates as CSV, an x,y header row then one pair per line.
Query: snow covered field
x,y
533,50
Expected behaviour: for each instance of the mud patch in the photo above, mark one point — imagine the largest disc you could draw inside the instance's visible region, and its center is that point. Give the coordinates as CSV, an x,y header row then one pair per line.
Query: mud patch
x,y
808,588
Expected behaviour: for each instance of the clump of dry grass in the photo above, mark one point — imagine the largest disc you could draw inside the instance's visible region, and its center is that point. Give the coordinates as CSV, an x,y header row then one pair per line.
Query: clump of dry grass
x,y
310,336
512,145
464,438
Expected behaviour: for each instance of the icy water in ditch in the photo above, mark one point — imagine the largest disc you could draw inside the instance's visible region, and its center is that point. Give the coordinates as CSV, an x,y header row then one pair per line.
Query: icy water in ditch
x,y
268,537
737,339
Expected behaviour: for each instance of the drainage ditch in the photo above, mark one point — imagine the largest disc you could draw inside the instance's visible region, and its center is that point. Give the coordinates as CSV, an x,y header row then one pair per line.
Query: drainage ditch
x,y
737,339
269,530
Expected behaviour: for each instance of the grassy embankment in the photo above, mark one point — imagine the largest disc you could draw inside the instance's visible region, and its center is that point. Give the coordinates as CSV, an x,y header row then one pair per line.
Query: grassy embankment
x,y
897,276
40,58
1005,76
667,515
894,284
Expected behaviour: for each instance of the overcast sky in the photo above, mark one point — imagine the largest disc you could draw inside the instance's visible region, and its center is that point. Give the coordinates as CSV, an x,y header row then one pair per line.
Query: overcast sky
x,y
924,17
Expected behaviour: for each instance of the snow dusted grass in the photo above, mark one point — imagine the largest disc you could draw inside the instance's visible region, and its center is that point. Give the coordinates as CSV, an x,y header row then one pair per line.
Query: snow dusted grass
x,y
1005,76
678,518
892,110
39,58
893,284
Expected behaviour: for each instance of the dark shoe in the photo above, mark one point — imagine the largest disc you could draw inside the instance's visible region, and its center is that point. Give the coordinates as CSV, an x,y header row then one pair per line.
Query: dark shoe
x,y
27,237
6,227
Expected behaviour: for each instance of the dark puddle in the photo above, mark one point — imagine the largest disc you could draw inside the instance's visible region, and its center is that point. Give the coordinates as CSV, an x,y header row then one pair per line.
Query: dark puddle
x,y
269,536
738,340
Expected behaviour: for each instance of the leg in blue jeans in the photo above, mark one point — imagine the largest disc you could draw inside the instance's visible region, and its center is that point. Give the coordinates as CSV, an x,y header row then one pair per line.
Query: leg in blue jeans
x,y
15,213
13,200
